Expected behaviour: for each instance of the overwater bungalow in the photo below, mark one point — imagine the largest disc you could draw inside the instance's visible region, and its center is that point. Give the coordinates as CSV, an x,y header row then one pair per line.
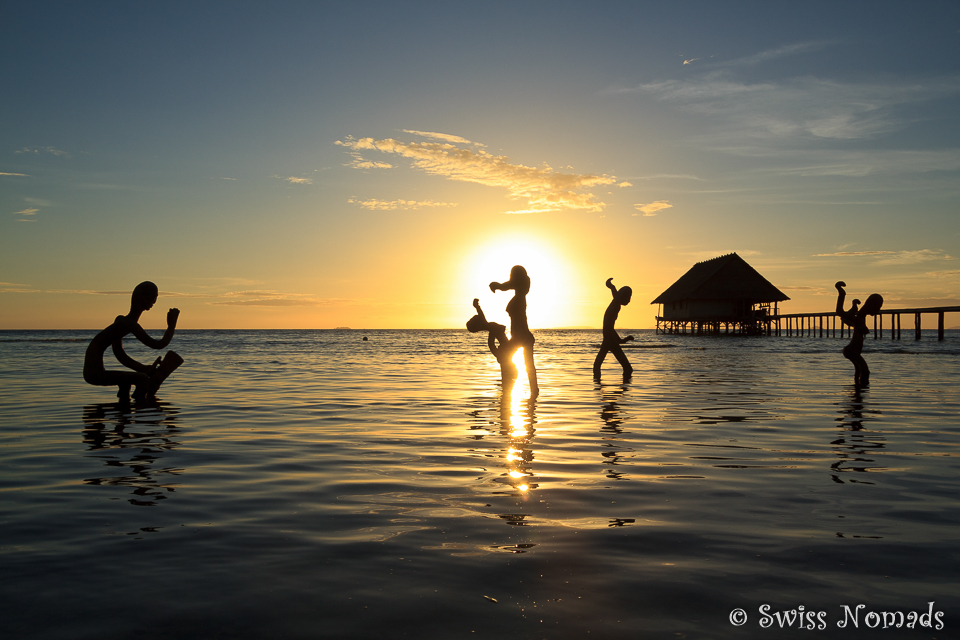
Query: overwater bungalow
x,y
724,294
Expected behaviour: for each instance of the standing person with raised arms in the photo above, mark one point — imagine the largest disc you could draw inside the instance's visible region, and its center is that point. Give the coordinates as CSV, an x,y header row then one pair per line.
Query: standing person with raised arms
x,y
611,339
146,378
520,334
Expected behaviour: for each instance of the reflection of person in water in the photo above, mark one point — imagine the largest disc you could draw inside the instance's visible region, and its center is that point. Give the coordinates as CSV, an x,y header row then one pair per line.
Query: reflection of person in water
x,y
116,436
848,318
520,334
611,339
146,378
501,348
861,375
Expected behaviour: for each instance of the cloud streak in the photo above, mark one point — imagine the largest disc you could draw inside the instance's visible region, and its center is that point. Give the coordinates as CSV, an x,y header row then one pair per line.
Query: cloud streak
x,y
892,257
543,188
295,180
651,209
388,205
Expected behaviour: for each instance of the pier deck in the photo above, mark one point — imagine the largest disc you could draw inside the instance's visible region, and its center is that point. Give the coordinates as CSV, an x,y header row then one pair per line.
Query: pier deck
x,y
825,324
810,324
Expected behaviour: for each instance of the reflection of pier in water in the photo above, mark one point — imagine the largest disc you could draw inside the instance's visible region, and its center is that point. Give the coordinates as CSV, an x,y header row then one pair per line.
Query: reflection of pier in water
x,y
131,441
855,443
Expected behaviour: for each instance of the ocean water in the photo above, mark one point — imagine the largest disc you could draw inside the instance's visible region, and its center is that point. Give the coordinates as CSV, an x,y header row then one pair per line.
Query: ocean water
x,y
309,484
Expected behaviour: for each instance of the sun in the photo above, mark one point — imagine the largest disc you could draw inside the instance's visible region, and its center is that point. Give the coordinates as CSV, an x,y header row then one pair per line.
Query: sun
x,y
550,279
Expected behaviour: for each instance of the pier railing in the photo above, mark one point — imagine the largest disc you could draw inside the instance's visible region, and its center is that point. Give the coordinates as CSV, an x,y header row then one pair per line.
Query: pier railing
x,y
812,324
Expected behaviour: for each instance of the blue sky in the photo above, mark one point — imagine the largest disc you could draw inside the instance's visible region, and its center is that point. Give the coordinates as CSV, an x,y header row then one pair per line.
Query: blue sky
x,y
319,164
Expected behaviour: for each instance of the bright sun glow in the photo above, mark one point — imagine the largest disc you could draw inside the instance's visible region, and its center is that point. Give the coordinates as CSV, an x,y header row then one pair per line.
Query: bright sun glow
x,y
549,280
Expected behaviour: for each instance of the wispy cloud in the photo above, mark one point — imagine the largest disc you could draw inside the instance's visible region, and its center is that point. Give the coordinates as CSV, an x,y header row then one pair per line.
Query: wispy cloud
x,y
652,208
295,180
268,298
801,108
446,137
26,212
851,253
358,162
625,184
778,52
676,176
893,257
243,298
38,150
690,61
22,175
385,205
543,188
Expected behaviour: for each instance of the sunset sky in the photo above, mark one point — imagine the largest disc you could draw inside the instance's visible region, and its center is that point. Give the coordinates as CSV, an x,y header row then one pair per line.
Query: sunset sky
x,y
376,165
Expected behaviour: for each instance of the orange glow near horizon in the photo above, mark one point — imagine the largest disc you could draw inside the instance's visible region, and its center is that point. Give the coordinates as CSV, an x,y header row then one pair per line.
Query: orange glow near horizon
x,y
550,278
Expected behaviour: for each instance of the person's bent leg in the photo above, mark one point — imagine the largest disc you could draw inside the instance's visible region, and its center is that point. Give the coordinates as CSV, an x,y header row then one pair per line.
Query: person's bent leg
x,y
622,359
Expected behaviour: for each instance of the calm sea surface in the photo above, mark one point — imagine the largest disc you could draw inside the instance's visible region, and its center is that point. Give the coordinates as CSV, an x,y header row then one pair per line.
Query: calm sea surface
x,y
309,484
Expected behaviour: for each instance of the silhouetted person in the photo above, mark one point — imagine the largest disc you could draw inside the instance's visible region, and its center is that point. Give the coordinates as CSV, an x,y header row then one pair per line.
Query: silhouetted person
x,y
611,339
146,378
520,334
849,318
501,348
861,374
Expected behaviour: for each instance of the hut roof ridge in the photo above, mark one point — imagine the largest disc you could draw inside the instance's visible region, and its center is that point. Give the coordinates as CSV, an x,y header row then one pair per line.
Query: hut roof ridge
x,y
723,277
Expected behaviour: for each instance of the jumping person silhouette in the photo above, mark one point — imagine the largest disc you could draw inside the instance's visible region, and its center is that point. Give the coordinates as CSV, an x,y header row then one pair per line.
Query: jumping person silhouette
x,y
520,334
146,378
501,348
611,339
852,352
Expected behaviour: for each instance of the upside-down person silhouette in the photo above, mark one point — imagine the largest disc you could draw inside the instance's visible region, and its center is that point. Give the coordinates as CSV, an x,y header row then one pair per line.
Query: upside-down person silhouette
x,y
501,348
146,378
520,335
861,374
611,339
849,318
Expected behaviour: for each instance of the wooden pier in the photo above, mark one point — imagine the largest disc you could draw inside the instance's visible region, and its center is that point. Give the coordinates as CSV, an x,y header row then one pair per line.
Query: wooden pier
x,y
828,324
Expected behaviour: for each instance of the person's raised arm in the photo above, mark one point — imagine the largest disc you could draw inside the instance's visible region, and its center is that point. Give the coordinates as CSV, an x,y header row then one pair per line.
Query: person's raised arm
x,y
612,288
172,316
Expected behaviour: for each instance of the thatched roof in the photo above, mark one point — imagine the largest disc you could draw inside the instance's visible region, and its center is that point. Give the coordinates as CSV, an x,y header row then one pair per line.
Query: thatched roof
x,y
728,277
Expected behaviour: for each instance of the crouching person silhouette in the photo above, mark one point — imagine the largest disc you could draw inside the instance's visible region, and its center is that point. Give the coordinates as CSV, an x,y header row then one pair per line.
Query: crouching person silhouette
x,y
497,341
611,339
146,378
852,352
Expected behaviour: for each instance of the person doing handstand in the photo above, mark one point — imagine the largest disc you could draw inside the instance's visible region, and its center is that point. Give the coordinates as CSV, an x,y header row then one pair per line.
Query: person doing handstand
x,y
849,318
146,378
520,334
852,352
497,341
611,339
